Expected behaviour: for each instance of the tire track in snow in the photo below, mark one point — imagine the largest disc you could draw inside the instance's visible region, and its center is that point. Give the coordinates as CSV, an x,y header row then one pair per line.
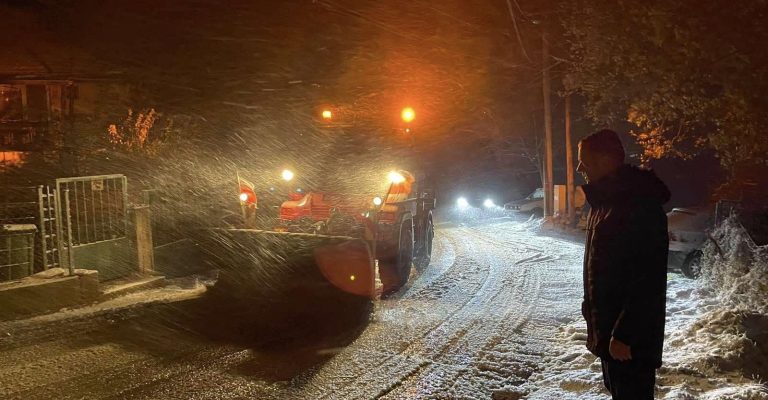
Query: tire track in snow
x,y
443,259
451,342
464,287
479,301
516,314
482,300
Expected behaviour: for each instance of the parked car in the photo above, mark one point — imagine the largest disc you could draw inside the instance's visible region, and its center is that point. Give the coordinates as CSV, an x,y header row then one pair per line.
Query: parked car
x,y
687,229
531,204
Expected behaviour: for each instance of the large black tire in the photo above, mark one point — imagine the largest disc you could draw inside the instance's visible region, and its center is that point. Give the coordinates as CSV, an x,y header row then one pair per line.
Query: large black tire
x,y
394,271
691,267
405,255
424,255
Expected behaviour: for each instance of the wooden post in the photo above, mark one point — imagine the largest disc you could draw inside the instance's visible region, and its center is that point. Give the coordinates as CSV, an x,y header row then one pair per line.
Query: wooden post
x,y
570,189
144,246
63,261
548,173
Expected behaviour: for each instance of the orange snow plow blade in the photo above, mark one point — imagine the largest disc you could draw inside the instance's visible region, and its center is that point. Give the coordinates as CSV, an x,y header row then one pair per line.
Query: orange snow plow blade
x,y
279,264
348,266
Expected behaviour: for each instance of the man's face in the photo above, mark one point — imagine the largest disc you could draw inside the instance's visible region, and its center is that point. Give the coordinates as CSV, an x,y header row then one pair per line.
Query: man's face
x,y
593,166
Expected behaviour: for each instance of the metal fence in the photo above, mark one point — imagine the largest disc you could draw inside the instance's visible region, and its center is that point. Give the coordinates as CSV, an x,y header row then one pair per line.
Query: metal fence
x,y
49,227
84,217
17,251
18,205
35,205
98,208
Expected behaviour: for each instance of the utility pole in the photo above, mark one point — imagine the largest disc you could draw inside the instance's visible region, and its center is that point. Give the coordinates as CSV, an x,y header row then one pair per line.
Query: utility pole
x,y
569,162
548,175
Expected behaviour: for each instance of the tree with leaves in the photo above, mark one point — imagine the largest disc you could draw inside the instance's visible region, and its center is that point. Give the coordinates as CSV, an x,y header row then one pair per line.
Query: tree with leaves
x,y
687,74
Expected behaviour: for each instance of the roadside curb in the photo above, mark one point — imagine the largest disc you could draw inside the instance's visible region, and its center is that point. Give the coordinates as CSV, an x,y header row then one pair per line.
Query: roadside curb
x,y
116,308
48,291
53,290
122,287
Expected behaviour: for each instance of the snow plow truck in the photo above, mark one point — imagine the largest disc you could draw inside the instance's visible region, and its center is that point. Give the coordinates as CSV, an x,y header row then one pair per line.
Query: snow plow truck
x,y
327,245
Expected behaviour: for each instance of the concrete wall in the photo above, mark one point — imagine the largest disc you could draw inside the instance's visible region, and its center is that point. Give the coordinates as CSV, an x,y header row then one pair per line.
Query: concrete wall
x,y
39,295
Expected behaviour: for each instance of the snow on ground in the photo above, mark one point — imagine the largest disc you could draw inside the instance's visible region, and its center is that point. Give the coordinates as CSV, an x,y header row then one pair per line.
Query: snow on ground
x,y
496,315
703,351
174,290
714,346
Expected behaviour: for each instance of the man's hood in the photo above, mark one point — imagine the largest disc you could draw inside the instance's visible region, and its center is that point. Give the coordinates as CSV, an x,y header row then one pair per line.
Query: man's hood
x,y
628,184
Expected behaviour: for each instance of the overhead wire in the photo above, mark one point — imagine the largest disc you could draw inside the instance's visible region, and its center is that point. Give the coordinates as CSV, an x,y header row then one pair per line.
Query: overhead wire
x,y
517,30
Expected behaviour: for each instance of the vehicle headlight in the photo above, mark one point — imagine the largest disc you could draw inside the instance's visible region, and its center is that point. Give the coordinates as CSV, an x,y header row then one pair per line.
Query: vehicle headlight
x,y
396,177
462,203
488,203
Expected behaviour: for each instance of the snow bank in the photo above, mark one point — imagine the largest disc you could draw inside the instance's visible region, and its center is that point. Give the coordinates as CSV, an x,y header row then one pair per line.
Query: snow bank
x,y
716,344
707,354
736,269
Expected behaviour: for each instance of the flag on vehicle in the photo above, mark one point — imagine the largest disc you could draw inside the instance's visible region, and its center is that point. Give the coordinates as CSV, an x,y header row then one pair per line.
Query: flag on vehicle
x,y
247,192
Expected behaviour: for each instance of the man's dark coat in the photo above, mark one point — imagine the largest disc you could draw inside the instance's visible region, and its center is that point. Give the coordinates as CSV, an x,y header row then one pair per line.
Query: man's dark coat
x,y
625,263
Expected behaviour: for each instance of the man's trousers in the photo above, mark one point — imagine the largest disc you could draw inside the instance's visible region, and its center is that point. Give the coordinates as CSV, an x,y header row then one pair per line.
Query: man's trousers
x,y
629,380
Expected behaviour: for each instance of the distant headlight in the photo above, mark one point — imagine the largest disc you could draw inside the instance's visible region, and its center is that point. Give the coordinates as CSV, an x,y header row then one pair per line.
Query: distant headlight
x,y
488,203
462,203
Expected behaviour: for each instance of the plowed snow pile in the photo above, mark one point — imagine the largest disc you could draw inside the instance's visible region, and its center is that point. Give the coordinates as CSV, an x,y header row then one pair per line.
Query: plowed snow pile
x,y
716,344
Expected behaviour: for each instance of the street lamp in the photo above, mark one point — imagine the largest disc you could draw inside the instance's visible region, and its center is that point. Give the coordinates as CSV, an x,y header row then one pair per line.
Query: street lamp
x,y
408,115
327,115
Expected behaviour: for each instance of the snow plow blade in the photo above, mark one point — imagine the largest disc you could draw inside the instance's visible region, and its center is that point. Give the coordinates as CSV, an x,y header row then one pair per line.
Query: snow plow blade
x,y
278,265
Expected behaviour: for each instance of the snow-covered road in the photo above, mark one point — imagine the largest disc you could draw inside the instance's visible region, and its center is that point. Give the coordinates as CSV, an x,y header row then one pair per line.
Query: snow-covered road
x,y
478,320
476,323
494,316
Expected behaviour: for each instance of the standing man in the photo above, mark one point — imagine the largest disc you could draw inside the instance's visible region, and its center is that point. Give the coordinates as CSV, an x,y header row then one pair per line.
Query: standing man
x,y
625,266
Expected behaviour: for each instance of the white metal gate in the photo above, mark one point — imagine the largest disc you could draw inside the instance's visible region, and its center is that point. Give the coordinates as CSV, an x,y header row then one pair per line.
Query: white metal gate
x,y
98,207
96,223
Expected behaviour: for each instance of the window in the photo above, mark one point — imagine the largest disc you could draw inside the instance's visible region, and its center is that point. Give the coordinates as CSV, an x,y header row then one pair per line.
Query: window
x,y
10,104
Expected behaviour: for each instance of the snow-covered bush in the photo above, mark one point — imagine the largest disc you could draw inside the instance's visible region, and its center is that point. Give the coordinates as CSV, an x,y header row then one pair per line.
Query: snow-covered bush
x,y
736,269
732,332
